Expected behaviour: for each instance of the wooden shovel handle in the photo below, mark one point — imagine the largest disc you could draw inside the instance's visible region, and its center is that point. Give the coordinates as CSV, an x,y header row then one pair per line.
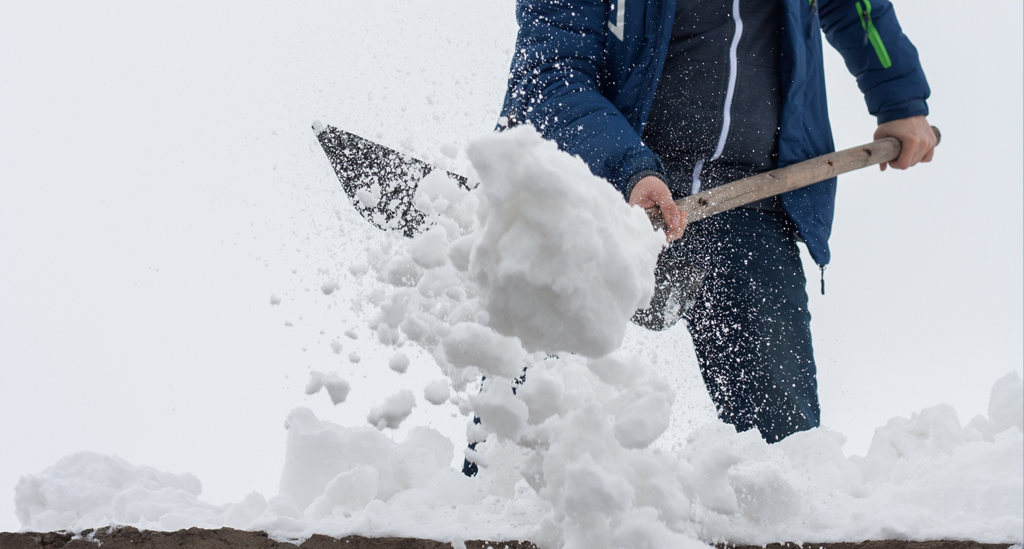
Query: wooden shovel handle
x,y
764,185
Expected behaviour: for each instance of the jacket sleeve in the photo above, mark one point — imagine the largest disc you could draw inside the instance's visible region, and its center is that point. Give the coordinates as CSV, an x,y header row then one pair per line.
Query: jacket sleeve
x,y
877,52
554,85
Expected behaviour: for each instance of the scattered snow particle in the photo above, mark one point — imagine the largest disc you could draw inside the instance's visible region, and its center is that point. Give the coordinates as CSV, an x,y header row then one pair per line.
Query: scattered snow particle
x,y
336,346
328,287
351,334
274,300
353,357
288,323
436,392
393,411
399,363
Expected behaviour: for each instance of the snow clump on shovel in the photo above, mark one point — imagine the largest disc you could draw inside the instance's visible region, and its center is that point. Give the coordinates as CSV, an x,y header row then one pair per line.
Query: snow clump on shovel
x,y
562,260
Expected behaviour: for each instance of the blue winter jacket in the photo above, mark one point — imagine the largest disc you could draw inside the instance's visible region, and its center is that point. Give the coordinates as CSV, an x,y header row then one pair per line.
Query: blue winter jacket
x,y
585,72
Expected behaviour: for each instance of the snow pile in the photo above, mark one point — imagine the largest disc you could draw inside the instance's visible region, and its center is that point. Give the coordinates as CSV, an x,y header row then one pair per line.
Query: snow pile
x,y
90,489
924,477
504,281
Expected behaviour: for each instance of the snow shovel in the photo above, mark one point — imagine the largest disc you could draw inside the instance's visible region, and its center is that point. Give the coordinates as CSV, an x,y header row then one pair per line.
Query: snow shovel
x,y
381,183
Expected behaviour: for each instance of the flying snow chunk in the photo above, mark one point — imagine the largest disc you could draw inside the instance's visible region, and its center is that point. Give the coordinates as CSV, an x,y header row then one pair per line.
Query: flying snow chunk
x,y
353,357
337,388
336,346
351,334
437,392
315,383
328,287
399,363
274,300
562,260
393,411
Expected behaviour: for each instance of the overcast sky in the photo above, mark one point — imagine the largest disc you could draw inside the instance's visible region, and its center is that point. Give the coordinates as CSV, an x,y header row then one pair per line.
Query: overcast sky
x,y
159,182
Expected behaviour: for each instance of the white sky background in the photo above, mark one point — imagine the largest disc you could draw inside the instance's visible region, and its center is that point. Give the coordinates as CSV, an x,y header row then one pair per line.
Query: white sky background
x,y
159,181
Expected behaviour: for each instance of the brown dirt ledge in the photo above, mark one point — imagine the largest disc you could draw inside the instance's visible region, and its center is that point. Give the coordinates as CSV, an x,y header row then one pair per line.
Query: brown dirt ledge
x,y
128,537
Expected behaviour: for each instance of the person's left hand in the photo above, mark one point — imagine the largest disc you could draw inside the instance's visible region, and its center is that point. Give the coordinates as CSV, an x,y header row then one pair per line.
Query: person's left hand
x,y
917,137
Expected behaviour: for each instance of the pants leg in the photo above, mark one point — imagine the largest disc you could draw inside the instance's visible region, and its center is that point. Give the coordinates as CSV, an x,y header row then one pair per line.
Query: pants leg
x,y
750,323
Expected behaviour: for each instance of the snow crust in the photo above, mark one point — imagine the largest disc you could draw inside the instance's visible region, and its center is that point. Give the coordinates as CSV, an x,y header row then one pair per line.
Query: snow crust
x,y
532,272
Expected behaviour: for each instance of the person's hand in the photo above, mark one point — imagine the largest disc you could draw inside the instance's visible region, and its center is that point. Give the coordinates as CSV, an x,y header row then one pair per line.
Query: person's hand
x,y
917,137
651,191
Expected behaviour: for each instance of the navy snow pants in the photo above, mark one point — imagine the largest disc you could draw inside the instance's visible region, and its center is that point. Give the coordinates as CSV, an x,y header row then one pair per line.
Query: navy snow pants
x,y
750,324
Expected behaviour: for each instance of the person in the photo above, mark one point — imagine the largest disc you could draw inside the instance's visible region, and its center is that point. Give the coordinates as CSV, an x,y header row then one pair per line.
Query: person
x,y
664,98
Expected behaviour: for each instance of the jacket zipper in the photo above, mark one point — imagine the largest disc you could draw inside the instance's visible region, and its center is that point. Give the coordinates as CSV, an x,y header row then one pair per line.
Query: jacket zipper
x,y
696,184
871,33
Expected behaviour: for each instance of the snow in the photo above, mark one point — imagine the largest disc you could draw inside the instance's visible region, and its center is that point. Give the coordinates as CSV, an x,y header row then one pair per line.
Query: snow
x,y
400,363
560,279
925,477
568,453
172,268
368,198
392,411
337,388
436,392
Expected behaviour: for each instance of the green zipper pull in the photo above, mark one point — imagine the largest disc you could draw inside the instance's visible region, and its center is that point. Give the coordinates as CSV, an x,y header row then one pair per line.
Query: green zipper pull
x,y
871,33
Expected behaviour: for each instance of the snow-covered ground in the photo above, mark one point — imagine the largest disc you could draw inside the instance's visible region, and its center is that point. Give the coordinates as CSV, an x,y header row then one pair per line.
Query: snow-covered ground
x,y
160,191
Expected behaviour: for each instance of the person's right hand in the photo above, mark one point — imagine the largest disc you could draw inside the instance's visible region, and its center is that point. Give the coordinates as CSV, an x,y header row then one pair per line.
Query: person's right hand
x,y
651,191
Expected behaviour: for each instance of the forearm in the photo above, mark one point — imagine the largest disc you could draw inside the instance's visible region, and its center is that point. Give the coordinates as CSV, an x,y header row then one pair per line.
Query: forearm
x,y
879,55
